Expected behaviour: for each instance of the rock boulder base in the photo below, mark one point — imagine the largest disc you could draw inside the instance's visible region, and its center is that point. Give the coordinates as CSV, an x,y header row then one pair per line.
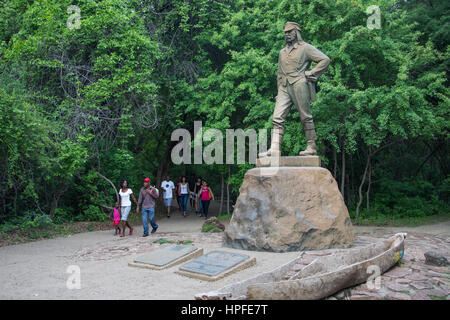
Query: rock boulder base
x,y
289,209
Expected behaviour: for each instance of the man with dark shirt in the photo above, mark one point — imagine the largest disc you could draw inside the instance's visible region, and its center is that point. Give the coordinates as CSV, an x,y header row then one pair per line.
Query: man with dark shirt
x,y
147,197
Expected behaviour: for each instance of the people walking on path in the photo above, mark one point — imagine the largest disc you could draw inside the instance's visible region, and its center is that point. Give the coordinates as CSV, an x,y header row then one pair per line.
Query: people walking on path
x,y
177,192
205,194
147,197
168,187
191,192
116,217
184,194
125,194
198,203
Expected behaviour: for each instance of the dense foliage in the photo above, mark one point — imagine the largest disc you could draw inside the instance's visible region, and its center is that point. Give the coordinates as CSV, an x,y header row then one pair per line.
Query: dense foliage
x,y
80,106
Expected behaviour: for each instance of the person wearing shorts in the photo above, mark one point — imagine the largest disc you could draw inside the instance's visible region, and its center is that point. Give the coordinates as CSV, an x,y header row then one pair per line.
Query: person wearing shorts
x,y
167,186
125,194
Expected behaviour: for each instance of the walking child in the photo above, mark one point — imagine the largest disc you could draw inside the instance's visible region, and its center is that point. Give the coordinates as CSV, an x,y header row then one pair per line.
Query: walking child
x,y
116,217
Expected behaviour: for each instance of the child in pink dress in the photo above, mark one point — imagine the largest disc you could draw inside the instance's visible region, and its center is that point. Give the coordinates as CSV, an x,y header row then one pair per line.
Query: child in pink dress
x,y
116,215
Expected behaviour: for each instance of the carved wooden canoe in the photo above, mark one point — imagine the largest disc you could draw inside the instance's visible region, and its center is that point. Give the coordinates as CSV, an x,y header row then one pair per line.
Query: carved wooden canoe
x,y
321,278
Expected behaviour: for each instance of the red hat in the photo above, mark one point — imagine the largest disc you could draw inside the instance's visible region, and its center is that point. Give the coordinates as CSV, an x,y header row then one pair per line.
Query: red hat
x,y
146,180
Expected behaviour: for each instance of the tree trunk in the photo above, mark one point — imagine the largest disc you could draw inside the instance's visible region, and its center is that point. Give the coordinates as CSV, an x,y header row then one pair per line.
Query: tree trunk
x,y
161,173
54,205
362,183
352,182
369,156
110,182
55,199
368,188
221,192
228,190
335,162
15,200
343,168
164,165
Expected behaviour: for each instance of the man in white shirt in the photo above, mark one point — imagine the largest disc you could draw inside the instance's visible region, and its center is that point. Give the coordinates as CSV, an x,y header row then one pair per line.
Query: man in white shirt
x,y
168,188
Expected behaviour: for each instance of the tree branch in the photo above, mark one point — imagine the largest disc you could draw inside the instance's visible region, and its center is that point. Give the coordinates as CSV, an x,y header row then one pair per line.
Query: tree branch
x,y
110,182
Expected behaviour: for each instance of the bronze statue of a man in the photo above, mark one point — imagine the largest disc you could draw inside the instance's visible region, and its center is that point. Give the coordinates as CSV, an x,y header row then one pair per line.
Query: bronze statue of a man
x,y
296,85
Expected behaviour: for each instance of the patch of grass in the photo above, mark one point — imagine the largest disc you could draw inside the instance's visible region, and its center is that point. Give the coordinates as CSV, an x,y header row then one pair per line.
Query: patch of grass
x,y
433,297
162,241
400,222
46,235
406,292
211,228
226,216
11,236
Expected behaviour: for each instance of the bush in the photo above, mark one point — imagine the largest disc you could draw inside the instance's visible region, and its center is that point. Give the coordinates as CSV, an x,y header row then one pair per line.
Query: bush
x,y
42,221
92,213
61,216
225,216
211,228
404,199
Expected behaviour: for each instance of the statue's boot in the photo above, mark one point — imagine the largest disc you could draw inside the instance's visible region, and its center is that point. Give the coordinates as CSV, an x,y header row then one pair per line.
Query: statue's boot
x,y
310,149
311,137
274,151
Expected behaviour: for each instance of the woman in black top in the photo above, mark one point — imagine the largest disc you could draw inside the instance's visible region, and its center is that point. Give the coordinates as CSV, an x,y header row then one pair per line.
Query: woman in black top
x,y
198,203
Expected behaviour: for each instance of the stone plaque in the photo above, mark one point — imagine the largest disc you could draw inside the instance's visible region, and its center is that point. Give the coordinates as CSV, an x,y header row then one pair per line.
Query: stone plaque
x,y
214,262
165,254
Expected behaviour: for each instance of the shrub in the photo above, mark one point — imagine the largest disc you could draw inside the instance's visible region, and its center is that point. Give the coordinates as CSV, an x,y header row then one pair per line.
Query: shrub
x,y
61,216
211,228
92,213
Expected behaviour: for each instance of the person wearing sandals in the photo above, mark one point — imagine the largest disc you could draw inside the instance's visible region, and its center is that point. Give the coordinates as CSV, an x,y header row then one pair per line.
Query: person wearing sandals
x,y
184,194
125,194
205,195
198,202
177,193
147,199
167,186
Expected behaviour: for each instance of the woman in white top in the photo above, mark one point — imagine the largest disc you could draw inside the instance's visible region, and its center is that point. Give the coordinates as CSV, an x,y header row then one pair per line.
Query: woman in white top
x,y
184,194
125,205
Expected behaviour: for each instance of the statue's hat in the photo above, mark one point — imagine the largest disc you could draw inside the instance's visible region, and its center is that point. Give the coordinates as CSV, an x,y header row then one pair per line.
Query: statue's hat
x,y
291,25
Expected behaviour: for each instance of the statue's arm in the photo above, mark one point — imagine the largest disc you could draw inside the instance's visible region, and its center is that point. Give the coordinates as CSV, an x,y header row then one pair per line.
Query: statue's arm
x,y
322,63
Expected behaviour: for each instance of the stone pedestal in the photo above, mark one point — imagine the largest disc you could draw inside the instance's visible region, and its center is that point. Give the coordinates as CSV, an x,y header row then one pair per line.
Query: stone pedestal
x,y
289,209
295,161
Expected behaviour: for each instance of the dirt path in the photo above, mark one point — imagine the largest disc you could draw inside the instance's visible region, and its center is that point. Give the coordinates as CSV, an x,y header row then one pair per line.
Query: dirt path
x,y
37,270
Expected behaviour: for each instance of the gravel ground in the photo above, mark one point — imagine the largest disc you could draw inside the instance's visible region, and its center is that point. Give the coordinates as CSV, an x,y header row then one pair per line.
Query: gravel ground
x,y
38,270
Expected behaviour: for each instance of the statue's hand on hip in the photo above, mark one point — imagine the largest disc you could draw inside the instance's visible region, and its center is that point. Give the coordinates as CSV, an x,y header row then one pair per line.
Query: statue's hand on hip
x,y
310,77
